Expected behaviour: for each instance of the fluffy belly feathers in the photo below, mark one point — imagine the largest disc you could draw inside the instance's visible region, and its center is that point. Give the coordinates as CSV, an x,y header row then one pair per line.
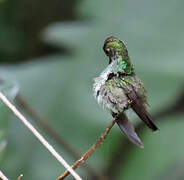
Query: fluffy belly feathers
x,y
110,97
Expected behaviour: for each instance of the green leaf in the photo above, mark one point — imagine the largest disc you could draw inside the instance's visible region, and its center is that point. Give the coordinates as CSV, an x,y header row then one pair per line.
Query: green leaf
x,y
60,87
161,151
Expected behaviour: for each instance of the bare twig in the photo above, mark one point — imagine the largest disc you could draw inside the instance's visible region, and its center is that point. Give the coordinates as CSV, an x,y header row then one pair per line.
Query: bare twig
x,y
125,147
90,151
21,102
39,136
2,176
20,177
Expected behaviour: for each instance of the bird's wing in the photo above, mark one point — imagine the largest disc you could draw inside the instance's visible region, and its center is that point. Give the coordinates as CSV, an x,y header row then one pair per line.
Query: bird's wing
x,y
137,104
128,129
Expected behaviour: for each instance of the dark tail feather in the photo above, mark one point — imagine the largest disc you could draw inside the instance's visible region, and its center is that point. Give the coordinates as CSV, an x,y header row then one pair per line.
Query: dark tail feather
x,y
128,130
144,115
139,108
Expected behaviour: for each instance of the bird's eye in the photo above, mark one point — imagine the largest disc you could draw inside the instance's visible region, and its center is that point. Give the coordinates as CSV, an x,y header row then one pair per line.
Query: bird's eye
x,y
107,51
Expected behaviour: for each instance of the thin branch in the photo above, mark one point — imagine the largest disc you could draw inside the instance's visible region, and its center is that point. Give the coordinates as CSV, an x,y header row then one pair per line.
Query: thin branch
x,y
90,151
2,176
21,102
20,177
39,136
125,147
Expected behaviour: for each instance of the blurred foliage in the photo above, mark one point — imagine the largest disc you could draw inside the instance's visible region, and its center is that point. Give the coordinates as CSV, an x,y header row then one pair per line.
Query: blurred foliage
x,y
10,90
21,24
60,88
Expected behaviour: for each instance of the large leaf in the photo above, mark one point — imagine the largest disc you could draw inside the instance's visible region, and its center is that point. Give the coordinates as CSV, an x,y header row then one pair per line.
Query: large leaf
x,y
60,87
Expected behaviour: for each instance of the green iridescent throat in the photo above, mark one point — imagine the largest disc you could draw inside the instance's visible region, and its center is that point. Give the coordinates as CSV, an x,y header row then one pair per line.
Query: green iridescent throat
x,y
124,65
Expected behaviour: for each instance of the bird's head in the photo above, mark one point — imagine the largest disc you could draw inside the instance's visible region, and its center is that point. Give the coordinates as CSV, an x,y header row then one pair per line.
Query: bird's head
x,y
113,47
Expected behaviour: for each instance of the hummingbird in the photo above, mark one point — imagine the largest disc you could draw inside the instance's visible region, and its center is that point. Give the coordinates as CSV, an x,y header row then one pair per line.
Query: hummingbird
x,y
118,89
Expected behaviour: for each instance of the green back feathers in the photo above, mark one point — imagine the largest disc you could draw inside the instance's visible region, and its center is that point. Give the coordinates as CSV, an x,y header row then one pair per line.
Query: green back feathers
x,y
115,43
119,46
